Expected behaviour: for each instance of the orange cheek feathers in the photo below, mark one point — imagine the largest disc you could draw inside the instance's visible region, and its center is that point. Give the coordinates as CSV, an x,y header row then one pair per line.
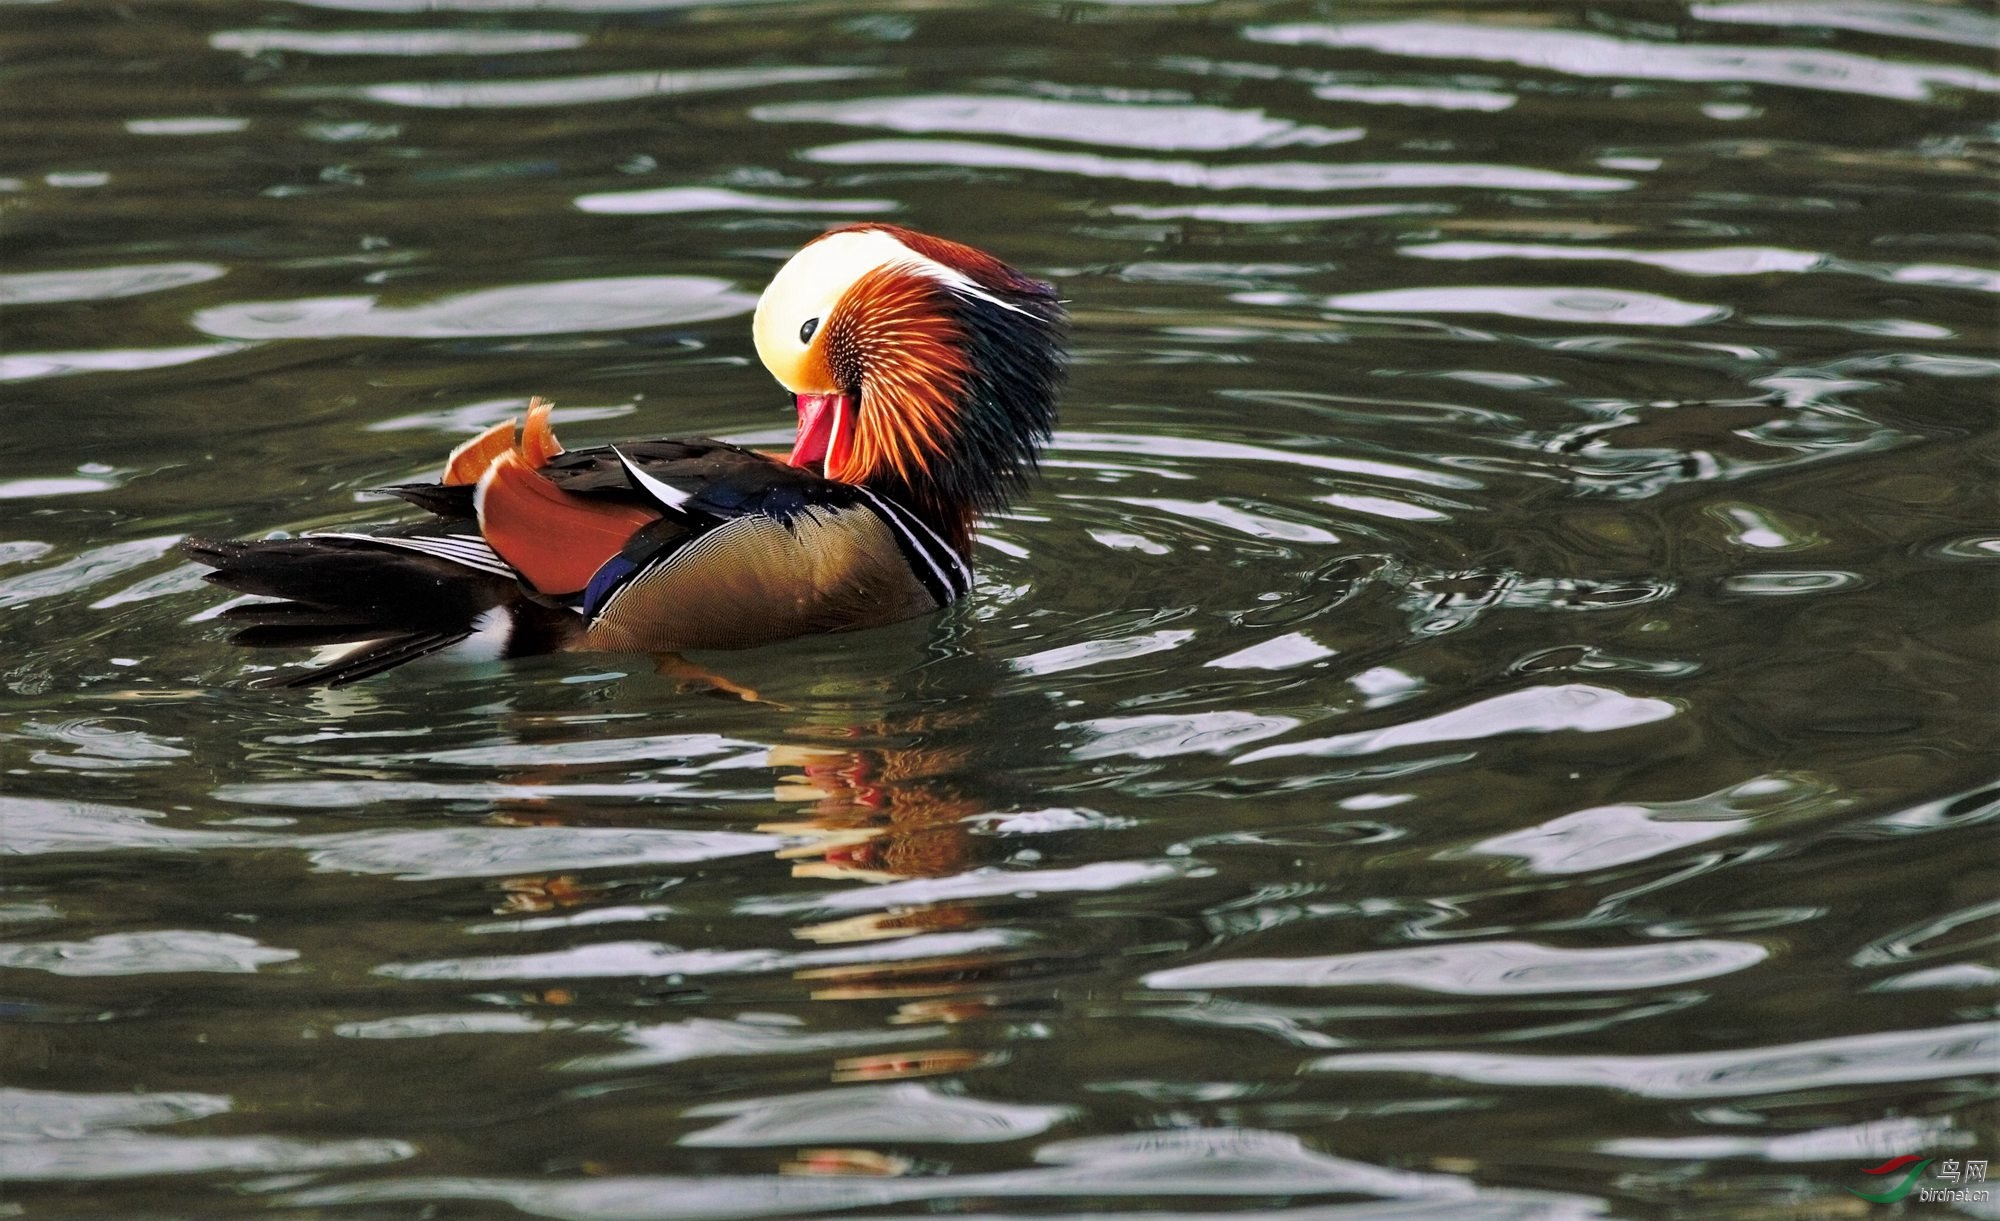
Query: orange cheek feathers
x,y
906,353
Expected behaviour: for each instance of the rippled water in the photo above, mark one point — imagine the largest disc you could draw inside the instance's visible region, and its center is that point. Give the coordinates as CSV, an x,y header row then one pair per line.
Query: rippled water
x,y
1489,712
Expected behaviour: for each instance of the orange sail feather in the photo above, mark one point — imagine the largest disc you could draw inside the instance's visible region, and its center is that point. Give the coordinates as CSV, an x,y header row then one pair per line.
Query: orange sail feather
x,y
556,540
470,460
538,440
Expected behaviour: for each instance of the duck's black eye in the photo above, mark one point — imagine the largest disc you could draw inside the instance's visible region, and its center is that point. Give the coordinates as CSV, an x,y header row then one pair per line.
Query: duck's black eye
x,y
806,331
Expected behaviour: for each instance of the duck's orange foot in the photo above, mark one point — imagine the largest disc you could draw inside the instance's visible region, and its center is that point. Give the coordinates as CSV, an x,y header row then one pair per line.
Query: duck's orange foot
x,y
701,680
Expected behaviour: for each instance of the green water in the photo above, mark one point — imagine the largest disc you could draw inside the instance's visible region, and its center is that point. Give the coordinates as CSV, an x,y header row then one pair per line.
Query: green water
x,y
1488,712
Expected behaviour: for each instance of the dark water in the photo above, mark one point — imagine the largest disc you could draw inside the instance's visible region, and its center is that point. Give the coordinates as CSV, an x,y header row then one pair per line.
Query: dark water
x,y
1490,711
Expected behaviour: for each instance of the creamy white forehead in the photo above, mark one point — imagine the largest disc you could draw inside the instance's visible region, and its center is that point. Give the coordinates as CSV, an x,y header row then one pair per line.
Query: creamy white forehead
x,y
816,277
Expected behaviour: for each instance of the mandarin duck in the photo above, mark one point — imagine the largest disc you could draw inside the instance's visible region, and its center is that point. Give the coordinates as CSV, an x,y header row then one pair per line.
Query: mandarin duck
x,y
924,373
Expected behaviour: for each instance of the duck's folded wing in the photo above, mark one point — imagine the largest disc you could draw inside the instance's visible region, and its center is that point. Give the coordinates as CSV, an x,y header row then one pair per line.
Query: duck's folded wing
x,y
754,579
748,549
559,522
700,544
695,476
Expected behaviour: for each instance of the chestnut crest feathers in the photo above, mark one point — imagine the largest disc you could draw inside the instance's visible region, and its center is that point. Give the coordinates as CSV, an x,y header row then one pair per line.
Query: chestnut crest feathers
x,y
950,358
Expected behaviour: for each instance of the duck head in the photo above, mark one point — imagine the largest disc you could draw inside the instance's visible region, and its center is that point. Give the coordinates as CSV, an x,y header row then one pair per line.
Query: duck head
x,y
923,369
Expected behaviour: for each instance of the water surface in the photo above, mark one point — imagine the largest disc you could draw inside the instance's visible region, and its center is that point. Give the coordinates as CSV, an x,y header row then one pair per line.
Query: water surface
x,y
1488,712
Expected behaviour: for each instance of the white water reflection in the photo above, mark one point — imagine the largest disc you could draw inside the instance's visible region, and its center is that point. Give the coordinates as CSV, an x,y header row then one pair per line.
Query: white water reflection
x,y
1966,1052
1222,1163
1273,214
83,571
132,1155
1605,836
20,551
185,579
749,1034
1165,128
1162,446
1965,27
1163,735
1860,1143
1486,101
1603,306
576,90
1279,653
1961,975
1602,837
1791,584
1761,530
25,366
471,852
661,201
1361,87
896,1112
643,913
1714,261
101,745
1384,506
37,826
334,794
163,952
563,306
1264,175
616,959
1480,968
396,42
441,1025
1951,933
1235,520
1603,56
645,748
1574,707
29,1113
1093,652
61,485
52,1136
1726,261
974,884
1940,275
103,283
190,125
36,912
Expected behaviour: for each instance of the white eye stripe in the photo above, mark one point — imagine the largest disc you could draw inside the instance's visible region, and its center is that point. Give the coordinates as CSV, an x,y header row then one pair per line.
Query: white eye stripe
x,y
952,278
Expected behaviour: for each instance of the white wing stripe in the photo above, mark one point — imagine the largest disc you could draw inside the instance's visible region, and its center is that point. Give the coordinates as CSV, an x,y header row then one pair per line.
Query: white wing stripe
x,y
463,549
669,497
925,542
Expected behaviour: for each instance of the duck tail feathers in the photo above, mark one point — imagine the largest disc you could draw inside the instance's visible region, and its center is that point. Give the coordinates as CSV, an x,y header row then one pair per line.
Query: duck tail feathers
x,y
376,602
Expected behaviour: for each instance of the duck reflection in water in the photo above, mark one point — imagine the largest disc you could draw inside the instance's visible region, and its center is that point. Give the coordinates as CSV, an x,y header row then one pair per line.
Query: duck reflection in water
x,y
885,814
881,801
